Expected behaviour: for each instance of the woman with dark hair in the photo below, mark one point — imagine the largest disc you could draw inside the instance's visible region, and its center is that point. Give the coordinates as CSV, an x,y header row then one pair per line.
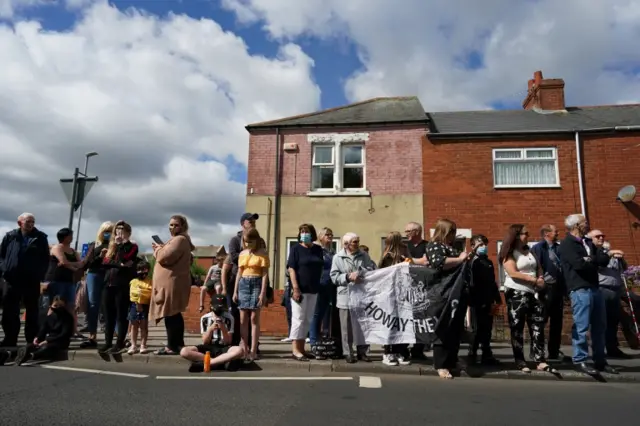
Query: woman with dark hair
x,y
444,257
523,279
395,251
120,261
305,266
172,283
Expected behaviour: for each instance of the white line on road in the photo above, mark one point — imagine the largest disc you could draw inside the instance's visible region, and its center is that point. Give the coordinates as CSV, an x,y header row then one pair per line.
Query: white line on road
x,y
87,370
302,378
370,382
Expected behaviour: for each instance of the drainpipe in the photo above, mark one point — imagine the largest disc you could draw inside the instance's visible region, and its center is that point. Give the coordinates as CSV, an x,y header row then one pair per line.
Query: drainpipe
x,y
580,174
276,222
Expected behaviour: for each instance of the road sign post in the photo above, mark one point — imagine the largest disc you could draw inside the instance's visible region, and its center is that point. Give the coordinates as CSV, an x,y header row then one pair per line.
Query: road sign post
x,y
76,190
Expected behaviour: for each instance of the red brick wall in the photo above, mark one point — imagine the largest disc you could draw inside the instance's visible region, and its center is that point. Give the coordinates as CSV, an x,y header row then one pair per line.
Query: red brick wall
x,y
390,167
458,184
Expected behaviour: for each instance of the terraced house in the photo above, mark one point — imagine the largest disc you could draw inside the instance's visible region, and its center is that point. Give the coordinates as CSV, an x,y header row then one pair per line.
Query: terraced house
x,y
372,166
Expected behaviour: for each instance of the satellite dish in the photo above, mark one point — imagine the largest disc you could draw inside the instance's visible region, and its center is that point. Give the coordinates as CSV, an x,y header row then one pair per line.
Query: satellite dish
x,y
627,194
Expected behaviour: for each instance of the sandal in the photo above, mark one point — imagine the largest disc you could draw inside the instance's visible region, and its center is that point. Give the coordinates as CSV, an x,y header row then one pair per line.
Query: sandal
x,y
132,350
445,374
299,357
543,366
522,366
144,350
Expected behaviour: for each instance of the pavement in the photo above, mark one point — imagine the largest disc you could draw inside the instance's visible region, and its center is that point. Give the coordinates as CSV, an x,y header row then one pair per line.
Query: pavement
x,y
277,355
75,393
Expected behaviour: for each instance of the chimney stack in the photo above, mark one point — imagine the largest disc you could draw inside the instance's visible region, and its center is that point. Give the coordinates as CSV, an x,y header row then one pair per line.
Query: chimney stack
x,y
545,94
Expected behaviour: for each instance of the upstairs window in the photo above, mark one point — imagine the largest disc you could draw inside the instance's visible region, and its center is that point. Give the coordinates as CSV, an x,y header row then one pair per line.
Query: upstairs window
x,y
525,168
338,167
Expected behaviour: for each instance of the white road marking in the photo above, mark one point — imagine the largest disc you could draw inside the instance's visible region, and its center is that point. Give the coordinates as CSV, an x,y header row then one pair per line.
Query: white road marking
x,y
370,382
87,370
206,377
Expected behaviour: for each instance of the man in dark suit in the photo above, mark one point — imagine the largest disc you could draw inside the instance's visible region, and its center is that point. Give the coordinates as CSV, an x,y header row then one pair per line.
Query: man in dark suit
x,y
547,253
580,259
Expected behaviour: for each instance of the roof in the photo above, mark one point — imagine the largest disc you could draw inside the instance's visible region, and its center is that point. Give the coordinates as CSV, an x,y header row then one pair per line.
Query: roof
x,y
530,121
209,251
405,109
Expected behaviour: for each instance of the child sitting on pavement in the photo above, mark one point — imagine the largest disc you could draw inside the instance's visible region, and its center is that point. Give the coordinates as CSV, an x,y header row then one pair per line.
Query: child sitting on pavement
x,y
52,340
140,296
216,328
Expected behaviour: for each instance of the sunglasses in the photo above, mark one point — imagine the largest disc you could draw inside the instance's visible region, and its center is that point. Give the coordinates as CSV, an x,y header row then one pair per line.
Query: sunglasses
x,y
598,237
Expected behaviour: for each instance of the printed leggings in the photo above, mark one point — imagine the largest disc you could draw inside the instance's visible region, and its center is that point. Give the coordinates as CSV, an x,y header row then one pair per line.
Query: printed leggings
x,y
521,307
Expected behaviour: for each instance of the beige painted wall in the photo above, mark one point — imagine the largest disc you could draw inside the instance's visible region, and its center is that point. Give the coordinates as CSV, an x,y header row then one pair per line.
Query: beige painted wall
x,y
372,218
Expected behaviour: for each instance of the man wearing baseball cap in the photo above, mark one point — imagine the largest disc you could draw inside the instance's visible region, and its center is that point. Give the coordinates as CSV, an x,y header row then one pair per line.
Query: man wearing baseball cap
x,y
248,222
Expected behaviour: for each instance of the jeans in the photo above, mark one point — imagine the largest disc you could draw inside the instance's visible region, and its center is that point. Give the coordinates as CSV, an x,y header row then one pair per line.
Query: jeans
x,y
95,286
320,314
588,311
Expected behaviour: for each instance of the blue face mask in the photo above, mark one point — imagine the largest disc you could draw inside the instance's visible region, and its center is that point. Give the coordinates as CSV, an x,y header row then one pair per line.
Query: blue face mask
x,y
305,238
482,251
106,235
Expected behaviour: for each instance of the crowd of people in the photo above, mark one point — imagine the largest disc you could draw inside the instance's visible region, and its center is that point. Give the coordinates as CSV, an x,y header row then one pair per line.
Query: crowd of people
x,y
538,279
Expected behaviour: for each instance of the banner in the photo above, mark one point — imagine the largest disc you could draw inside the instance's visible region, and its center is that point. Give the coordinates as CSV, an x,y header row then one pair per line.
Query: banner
x,y
405,304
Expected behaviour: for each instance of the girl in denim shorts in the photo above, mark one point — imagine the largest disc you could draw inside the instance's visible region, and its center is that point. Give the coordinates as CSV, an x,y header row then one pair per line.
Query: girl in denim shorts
x,y
250,290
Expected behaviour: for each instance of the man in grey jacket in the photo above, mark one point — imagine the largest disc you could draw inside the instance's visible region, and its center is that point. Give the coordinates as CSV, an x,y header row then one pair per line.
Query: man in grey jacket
x,y
612,289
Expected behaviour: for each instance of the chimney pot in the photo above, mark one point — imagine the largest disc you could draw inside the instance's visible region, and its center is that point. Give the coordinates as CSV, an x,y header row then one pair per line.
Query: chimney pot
x,y
537,76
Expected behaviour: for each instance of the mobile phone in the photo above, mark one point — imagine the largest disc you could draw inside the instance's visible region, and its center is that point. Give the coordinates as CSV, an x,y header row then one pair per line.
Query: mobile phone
x,y
156,239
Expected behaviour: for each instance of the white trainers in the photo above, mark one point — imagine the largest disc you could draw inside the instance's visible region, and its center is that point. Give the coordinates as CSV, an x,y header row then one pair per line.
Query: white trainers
x,y
389,360
402,361
132,350
286,340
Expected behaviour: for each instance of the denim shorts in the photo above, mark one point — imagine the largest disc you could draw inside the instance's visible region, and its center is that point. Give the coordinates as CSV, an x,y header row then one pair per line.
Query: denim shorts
x,y
249,292
66,291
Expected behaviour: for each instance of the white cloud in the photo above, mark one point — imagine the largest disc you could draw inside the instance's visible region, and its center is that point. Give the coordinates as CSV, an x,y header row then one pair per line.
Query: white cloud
x,y
416,46
152,96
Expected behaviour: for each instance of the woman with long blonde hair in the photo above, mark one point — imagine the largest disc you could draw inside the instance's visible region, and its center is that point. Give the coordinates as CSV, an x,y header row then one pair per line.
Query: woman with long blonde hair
x,y
95,281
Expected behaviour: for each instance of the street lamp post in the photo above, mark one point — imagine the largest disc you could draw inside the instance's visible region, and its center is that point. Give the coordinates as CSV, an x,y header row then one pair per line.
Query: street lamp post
x,y
86,166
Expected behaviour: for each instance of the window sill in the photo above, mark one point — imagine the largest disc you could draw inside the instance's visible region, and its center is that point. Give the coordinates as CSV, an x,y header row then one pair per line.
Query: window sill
x,y
362,193
527,187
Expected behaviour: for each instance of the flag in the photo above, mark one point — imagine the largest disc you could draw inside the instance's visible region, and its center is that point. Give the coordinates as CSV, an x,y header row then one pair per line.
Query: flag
x,y
405,304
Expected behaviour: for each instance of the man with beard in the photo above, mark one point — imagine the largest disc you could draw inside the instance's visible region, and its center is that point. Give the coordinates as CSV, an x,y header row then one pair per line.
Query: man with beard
x,y
24,259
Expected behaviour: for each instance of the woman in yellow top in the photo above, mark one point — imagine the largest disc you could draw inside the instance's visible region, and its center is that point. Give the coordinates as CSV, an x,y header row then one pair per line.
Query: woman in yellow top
x,y
140,296
250,290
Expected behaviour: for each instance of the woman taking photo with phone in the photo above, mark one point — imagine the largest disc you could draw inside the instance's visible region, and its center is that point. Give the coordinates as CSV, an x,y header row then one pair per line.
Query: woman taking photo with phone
x,y
172,283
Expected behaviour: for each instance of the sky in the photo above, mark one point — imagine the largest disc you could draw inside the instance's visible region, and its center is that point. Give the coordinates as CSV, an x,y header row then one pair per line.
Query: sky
x,y
162,89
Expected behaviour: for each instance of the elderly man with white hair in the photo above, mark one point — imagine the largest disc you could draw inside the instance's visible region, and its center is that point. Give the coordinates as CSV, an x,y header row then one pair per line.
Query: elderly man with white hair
x,y
580,260
24,258
346,269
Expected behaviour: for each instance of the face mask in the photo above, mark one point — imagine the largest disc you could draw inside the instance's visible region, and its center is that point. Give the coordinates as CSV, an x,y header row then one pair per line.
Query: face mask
x,y
305,238
143,274
106,236
482,251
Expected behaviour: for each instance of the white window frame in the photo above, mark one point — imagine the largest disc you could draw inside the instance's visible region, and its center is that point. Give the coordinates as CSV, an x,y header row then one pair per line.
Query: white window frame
x,y
501,272
294,240
338,141
523,158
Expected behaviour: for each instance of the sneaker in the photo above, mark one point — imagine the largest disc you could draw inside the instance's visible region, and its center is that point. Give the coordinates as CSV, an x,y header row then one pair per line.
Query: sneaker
x,y
22,356
144,350
307,340
389,359
104,348
132,350
4,357
402,360
286,340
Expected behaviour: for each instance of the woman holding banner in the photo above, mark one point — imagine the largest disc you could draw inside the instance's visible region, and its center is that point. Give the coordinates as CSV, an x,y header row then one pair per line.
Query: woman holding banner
x,y
444,257
346,268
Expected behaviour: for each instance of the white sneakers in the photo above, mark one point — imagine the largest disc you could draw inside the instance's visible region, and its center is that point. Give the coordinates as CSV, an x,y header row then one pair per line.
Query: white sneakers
x,y
395,360
286,340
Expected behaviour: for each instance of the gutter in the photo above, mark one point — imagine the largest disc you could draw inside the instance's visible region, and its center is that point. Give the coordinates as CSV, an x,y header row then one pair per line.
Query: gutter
x,y
498,134
251,128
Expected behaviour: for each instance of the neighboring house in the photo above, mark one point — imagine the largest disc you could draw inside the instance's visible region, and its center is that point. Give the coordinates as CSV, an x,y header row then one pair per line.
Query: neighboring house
x,y
489,169
355,168
205,255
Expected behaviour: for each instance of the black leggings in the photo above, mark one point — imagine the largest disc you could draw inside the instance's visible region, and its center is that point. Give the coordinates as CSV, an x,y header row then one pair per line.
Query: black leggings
x,y
175,332
116,309
50,351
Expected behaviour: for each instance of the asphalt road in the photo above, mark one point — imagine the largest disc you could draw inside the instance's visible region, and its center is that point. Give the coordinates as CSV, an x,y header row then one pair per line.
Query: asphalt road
x,y
35,395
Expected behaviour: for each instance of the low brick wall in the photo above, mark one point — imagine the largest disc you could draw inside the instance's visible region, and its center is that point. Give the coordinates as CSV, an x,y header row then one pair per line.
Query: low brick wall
x,y
274,320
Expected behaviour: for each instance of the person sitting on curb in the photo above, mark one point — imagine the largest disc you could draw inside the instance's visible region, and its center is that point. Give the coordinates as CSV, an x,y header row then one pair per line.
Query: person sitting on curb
x,y
217,329
52,340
